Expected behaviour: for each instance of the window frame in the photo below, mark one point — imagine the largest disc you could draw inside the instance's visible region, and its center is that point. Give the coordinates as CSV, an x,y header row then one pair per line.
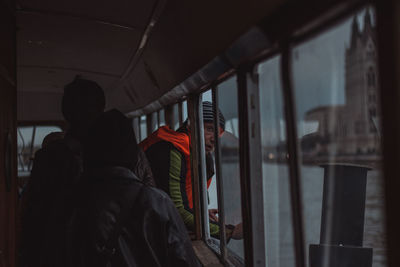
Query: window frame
x,y
303,27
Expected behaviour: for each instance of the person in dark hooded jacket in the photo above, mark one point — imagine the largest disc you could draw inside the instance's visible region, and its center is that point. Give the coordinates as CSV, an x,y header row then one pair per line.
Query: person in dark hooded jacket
x,y
84,101
119,220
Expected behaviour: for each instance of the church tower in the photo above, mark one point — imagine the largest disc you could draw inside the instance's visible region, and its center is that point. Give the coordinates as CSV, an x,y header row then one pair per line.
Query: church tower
x,y
361,87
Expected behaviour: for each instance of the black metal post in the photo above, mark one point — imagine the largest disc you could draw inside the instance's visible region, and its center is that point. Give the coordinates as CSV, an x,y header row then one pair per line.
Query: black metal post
x,y
342,221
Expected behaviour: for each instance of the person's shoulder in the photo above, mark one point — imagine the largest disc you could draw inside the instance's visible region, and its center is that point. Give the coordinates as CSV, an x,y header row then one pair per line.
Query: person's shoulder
x,y
156,198
154,193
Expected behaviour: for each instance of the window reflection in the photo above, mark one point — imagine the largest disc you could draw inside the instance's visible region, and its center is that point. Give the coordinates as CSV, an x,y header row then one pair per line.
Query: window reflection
x,y
338,125
277,205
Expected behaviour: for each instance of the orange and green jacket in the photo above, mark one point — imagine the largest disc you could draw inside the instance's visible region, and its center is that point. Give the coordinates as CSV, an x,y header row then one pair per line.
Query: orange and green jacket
x,y
168,152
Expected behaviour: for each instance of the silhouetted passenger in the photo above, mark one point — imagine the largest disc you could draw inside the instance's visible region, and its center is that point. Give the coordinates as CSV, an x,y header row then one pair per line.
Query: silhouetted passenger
x,y
84,101
48,204
51,137
119,220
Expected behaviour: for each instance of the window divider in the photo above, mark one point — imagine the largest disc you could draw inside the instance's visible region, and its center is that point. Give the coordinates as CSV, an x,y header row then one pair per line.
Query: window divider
x,y
193,106
293,155
203,178
32,147
139,128
219,180
251,168
180,113
149,123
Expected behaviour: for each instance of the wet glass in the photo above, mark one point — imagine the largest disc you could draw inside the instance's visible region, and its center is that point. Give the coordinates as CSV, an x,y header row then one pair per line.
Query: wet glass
x,y
278,226
230,161
336,90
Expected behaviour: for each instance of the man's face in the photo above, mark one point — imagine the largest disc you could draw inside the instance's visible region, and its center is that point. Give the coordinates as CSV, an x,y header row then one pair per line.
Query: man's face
x,y
209,137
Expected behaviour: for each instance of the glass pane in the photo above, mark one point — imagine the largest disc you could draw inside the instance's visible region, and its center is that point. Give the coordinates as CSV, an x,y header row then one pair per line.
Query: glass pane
x,y
277,205
24,148
161,116
135,125
185,111
230,161
211,194
41,133
30,140
154,121
143,128
340,143
175,116
212,189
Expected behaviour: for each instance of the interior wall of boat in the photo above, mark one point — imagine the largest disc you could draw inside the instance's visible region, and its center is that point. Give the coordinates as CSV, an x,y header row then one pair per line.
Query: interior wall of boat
x,y
190,34
8,191
60,39
388,23
249,45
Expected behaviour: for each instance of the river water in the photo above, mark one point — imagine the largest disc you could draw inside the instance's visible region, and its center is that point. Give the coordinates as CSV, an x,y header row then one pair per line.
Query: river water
x,y
277,212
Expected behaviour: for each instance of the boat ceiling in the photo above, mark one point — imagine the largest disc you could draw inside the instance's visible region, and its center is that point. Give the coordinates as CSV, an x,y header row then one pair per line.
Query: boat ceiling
x,y
136,50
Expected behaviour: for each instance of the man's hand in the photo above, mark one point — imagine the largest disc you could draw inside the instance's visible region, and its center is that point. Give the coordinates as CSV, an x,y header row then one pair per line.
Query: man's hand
x,y
238,232
212,214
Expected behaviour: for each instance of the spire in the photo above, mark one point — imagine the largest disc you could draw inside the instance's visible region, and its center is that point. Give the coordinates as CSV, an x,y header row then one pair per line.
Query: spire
x,y
355,32
367,18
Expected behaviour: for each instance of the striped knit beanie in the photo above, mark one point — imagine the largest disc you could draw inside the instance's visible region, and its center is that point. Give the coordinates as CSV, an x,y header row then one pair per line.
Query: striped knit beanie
x,y
208,114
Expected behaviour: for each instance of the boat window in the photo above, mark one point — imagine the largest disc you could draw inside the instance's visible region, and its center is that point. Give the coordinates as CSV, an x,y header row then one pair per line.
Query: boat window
x,y
153,122
143,127
136,128
339,138
161,117
184,111
176,121
278,228
212,189
30,140
210,193
227,96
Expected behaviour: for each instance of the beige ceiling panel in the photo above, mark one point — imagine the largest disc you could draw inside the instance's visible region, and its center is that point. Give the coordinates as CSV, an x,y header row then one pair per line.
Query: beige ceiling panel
x,y
50,80
61,42
40,90
140,85
131,13
34,106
